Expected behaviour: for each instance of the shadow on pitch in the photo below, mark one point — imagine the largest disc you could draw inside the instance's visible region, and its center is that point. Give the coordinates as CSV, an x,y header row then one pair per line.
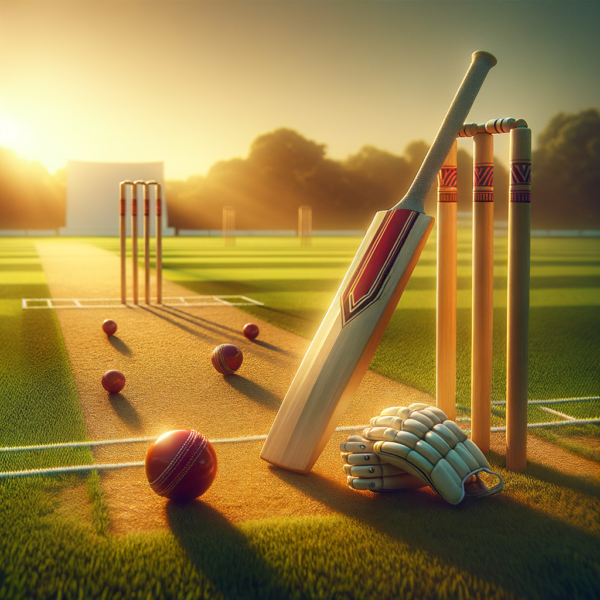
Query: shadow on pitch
x,y
212,325
524,539
125,411
199,320
272,347
173,317
173,321
120,345
253,390
219,550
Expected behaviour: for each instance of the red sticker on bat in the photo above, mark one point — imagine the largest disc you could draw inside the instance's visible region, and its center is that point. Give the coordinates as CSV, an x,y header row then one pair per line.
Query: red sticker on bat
x,y
367,282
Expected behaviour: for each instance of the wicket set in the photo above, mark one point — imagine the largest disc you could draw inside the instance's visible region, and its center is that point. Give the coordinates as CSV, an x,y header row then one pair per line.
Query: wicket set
x,y
305,225
519,218
134,238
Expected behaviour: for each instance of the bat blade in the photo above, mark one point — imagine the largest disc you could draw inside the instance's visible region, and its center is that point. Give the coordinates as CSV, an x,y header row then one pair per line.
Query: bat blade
x,y
347,339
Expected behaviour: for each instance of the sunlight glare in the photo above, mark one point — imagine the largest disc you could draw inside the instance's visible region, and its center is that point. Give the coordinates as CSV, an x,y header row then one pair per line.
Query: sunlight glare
x,y
10,133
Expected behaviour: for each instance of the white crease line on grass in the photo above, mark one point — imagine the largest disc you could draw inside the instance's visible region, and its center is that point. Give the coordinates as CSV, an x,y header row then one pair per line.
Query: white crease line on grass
x,y
82,303
111,467
75,469
556,401
549,424
108,467
558,414
92,444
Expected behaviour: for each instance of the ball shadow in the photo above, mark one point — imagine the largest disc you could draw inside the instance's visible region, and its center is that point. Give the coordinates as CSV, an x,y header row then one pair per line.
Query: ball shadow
x,y
272,347
120,345
253,390
217,548
125,411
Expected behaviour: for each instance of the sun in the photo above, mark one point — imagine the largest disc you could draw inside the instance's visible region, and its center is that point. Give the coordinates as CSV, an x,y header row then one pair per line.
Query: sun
x,y
15,136
9,132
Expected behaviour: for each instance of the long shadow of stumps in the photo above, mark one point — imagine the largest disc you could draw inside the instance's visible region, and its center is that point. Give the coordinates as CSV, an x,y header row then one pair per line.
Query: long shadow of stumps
x,y
196,320
171,320
220,551
498,539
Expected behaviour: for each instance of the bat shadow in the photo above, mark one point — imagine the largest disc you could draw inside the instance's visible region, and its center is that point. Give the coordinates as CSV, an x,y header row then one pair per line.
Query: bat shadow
x,y
125,411
520,535
120,345
215,547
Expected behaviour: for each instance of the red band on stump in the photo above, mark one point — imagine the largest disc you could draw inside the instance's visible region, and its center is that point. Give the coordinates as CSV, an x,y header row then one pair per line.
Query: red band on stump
x,y
483,196
447,178
484,176
520,177
447,184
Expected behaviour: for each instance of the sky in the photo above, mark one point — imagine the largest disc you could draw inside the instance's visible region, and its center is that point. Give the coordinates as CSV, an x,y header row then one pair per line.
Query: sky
x,y
193,82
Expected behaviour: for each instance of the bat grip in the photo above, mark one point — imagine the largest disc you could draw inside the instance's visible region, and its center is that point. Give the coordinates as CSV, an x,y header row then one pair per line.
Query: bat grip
x,y
481,63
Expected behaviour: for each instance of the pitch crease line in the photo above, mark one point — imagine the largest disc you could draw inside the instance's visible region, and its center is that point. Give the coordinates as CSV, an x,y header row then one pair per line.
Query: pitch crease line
x,y
93,444
115,466
555,401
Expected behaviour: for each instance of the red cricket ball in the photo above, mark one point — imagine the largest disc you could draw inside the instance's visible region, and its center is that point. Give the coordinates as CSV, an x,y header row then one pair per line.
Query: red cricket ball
x,y
181,465
113,381
227,359
251,331
109,327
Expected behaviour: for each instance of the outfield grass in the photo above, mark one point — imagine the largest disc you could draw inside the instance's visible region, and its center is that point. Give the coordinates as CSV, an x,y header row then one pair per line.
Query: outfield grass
x,y
297,283
538,539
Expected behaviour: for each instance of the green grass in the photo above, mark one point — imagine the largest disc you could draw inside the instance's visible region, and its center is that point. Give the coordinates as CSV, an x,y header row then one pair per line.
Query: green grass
x,y
538,539
39,398
297,283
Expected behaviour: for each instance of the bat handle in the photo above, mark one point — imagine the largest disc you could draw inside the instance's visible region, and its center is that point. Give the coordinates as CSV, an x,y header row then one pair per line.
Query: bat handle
x,y
481,63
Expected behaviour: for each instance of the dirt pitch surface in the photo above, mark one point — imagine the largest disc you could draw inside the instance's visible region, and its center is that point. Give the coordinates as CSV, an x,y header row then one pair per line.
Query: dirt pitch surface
x,y
165,353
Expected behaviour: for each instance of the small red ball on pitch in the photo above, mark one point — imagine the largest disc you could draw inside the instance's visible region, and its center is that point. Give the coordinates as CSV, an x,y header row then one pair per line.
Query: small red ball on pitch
x,y
109,327
181,465
251,331
227,359
113,381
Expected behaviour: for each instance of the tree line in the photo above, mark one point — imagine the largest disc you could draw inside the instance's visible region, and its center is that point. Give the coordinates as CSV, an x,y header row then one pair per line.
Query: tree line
x,y
284,170
30,198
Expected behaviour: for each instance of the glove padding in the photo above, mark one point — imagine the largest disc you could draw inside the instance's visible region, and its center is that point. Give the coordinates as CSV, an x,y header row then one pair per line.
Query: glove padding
x,y
411,447
422,441
365,470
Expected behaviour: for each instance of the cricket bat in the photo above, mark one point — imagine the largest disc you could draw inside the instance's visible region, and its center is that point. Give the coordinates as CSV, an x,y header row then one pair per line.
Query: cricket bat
x,y
351,331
